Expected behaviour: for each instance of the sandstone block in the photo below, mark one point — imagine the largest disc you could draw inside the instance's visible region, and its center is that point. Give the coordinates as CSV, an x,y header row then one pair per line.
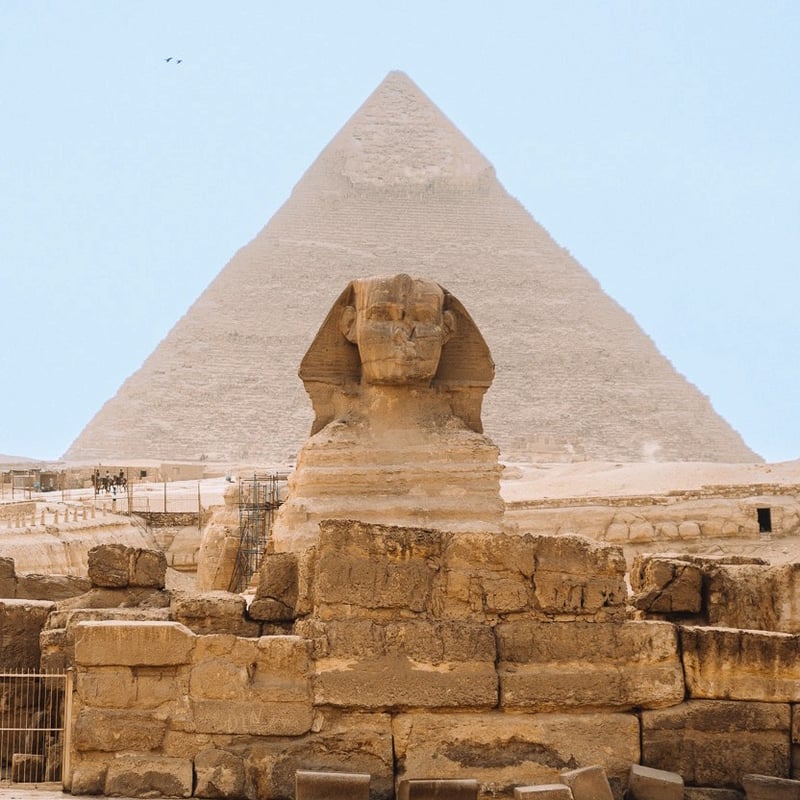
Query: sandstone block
x,y
88,778
765,787
549,666
711,793
715,742
588,783
21,622
118,566
127,687
505,750
214,612
149,776
544,791
132,643
219,774
356,742
110,730
331,785
276,596
27,768
281,718
8,578
377,567
666,585
578,577
463,789
741,664
51,587
646,783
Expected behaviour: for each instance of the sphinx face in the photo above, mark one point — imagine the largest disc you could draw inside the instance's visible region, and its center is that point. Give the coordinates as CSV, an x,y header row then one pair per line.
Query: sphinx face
x,y
400,328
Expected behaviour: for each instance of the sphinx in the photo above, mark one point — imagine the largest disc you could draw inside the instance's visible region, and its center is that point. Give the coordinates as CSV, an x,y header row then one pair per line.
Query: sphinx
x,y
396,376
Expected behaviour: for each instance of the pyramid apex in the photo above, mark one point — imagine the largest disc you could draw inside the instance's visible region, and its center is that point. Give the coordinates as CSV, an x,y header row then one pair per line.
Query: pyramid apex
x,y
399,137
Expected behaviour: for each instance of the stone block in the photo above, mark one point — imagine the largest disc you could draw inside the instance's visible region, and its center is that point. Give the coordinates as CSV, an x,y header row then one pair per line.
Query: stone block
x,y
741,664
114,730
355,742
765,787
588,783
376,567
51,587
331,785
21,622
127,687
646,783
245,717
131,643
552,665
544,791
214,612
116,566
27,768
715,742
438,789
8,578
149,776
666,585
578,577
277,592
711,793
505,750
218,774
88,777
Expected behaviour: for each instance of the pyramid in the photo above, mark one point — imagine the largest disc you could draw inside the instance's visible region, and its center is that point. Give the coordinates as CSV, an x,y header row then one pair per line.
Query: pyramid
x,y
400,189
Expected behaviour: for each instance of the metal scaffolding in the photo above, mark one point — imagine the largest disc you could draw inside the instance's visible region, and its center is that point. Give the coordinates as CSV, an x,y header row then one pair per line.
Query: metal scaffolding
x,y
258,500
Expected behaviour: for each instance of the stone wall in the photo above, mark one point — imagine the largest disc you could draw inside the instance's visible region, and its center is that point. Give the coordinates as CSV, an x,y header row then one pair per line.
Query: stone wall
x,y
409,653
672,520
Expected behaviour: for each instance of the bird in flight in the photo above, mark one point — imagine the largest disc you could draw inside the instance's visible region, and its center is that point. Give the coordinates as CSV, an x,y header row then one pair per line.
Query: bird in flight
x,y
172,58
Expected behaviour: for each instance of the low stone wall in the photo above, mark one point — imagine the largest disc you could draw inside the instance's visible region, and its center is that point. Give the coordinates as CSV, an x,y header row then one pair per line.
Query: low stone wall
x,y
409,653
673,519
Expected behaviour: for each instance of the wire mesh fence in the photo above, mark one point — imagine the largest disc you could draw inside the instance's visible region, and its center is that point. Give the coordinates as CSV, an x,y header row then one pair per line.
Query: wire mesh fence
x,y
34,710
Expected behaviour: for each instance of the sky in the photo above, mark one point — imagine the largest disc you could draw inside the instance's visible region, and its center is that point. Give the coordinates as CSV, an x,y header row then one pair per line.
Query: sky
x,y
659,142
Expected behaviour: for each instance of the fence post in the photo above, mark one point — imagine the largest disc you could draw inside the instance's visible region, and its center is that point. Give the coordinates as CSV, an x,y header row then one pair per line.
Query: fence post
x,y
66,757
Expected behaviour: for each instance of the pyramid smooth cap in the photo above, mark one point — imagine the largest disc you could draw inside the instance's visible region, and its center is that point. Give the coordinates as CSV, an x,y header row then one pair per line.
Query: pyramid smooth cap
x,y
398,138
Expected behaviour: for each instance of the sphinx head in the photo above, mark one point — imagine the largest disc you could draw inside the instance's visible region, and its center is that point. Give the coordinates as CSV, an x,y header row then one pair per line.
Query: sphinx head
x,y
400,326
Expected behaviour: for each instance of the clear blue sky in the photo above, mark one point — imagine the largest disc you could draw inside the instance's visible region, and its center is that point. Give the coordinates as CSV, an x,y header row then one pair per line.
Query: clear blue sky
x,y
658,141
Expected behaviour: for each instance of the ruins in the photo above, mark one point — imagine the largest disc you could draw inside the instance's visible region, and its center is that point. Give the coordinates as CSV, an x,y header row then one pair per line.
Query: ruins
x,y
418,626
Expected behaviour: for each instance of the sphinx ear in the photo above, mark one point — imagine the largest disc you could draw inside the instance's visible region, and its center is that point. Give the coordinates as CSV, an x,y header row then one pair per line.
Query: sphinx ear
x,y
347,324
449,324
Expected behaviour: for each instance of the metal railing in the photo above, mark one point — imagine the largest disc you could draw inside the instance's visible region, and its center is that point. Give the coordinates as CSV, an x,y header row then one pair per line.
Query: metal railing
x,y
35,710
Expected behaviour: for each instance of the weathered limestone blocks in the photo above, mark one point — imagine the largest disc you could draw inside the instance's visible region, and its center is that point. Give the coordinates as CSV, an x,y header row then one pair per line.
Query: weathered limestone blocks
x,y
664,585
114,730
116,566
741,664
219,774
504,750
131,775
132,644
38,587
553,666
716,742
403,572
213,612
588,783
331,785
351,742
646,783
544,791
361,663
21,622
277,591
251,687
766,787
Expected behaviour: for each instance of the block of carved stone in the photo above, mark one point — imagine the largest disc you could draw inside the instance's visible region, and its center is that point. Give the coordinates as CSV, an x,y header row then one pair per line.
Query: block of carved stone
x,y
646,783
133,775
276,596
588,783
21,622
433,789
741,664
218,774
711,793
213,612
115,566
666,585
27,768
545,791
747,737
331,785
765,787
